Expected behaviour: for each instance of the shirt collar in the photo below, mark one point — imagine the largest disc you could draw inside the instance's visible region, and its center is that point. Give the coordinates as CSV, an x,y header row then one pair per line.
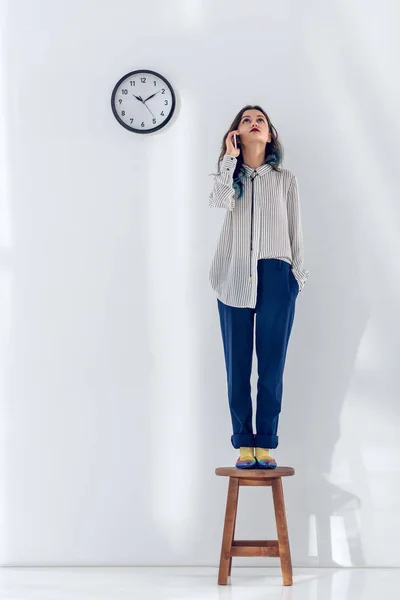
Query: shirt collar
x,y
260,170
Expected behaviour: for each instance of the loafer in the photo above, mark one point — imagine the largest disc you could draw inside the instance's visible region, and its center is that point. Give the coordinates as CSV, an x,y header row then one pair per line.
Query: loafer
x,y
246,463
266,463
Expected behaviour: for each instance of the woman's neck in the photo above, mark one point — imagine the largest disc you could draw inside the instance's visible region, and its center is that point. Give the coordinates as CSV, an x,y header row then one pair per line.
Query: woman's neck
x,y
254,156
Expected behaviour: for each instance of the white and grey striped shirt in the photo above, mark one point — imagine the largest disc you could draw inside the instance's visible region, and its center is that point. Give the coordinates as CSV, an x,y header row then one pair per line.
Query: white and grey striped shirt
x,y
264,223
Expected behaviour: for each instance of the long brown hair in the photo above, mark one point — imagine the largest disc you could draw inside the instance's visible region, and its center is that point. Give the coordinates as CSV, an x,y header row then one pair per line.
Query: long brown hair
x,y
273,149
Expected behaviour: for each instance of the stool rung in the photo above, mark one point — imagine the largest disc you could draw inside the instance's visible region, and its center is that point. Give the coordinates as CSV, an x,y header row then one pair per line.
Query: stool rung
x,y
255,548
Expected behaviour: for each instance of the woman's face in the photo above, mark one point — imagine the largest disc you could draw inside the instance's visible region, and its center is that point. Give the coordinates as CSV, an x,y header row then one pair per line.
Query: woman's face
x,y
253,119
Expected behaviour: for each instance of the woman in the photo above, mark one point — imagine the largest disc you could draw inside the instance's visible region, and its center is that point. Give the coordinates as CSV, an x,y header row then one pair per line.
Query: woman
x,y
257,270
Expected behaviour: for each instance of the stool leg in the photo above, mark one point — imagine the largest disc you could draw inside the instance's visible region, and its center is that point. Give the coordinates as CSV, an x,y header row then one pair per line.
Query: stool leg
x,y
230,566
229,529
233,533
281,527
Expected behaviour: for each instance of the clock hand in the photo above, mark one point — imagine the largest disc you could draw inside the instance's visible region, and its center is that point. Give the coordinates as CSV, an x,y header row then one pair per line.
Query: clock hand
x,y
144,102
137,98
152,96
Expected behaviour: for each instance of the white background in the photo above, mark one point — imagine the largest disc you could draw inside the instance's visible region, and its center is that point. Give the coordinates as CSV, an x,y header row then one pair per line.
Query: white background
x,y
114,411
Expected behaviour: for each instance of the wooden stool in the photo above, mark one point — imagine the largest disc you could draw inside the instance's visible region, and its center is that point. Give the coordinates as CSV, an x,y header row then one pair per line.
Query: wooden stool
x,y
230,546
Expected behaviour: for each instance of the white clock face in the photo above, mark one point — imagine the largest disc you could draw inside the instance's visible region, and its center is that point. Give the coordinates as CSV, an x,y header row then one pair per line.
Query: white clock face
x,y
143,101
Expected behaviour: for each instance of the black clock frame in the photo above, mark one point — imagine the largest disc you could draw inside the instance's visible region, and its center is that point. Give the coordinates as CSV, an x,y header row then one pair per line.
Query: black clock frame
x,y
133,129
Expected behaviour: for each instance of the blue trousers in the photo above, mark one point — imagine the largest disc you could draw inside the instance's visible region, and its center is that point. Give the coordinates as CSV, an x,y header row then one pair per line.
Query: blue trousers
x,y
277,291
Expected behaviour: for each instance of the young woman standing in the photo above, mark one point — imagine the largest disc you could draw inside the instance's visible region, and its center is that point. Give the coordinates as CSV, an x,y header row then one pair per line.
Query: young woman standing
x,y
257,273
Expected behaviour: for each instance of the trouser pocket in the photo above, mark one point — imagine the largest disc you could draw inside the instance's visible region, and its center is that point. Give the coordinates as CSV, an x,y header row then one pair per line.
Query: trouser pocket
x,y
294,283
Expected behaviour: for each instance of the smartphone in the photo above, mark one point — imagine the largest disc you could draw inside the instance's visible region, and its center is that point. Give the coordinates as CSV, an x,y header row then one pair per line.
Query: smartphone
x,y
234,140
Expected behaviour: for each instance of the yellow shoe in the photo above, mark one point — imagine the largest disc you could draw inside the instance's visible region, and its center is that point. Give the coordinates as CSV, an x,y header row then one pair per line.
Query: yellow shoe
x,y
264,459
246,459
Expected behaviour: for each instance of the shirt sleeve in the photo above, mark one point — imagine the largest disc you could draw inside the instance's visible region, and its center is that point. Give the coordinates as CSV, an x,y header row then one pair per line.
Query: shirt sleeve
x,y
296,234
222,194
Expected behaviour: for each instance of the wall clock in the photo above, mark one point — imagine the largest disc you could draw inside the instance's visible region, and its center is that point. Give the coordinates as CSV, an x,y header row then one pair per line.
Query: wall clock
x,y
143,101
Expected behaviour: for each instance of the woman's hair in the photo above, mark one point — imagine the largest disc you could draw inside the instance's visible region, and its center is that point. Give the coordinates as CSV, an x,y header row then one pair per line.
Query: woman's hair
x,y
273,149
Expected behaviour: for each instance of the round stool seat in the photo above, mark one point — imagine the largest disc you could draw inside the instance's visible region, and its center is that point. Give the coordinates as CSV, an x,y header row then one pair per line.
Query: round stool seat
x,y
255,473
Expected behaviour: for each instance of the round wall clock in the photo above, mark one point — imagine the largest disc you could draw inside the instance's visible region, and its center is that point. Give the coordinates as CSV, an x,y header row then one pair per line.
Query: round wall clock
x,y
143,101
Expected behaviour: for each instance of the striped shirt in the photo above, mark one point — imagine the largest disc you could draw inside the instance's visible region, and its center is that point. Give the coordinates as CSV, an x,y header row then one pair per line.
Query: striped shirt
x,y
264,223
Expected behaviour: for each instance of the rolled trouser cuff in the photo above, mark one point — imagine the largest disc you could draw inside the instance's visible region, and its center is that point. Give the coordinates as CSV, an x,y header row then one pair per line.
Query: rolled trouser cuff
x,y
266,441
242,439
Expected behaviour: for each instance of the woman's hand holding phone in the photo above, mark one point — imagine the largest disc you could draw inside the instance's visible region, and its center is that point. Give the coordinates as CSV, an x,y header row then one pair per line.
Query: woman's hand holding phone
x,y
230,148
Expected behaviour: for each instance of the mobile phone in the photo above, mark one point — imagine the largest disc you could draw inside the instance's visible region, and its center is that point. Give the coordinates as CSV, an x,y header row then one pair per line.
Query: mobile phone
x,y
234,140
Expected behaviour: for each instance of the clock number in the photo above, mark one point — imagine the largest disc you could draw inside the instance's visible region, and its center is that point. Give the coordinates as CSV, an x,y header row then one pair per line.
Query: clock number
x,y
155,82
165,101
123,113
162,113
154,121
131,121
142,124
133,82
124,91
163,91
120,100
143,79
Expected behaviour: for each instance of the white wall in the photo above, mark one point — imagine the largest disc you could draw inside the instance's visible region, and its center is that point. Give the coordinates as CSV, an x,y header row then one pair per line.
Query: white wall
x,y
114,409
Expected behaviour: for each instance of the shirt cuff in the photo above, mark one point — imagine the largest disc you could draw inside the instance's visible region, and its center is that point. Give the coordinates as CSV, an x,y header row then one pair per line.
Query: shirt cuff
x,y
227,167
301,276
